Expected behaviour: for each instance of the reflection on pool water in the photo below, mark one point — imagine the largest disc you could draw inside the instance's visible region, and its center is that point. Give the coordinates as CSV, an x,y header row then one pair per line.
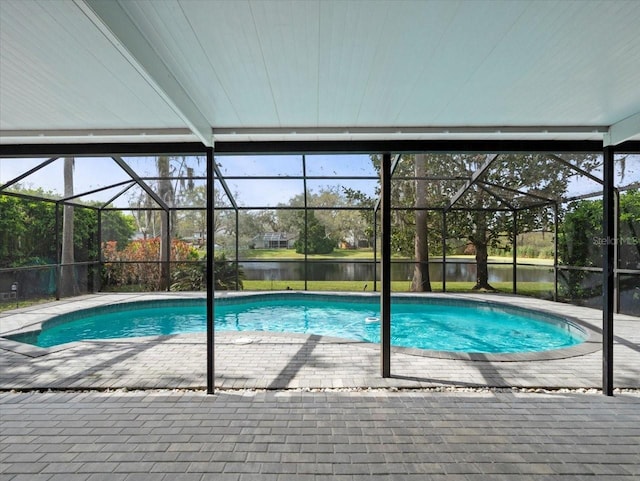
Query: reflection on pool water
x,y
425,323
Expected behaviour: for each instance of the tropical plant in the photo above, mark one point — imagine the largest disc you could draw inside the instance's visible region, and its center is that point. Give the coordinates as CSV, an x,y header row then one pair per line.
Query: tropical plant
x,y
193,276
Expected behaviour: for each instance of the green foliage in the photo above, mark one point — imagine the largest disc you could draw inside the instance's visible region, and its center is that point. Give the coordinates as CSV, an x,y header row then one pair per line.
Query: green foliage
x,y
117,227
189,277
193,276
481,215
28,231
581,226
225,274
317,240
580,242
630,230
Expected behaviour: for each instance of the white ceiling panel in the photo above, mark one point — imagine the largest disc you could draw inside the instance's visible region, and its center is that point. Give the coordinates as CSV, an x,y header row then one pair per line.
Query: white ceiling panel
x,y
233,48
278,69
58,72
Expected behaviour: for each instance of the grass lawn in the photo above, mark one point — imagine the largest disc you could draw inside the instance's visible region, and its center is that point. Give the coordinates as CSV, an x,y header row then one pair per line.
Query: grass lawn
x,y
9,305
269,254
506,260
525,288
292,254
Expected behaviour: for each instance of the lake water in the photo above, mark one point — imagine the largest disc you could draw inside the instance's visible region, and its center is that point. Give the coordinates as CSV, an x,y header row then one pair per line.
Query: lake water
x,y
364,271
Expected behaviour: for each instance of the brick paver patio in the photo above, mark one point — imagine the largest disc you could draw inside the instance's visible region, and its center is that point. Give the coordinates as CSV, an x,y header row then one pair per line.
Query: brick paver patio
x,y
288,435
305,407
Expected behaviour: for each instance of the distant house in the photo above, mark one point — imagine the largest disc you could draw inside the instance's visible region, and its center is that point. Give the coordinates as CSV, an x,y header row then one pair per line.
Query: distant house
x,y
355,242
273,240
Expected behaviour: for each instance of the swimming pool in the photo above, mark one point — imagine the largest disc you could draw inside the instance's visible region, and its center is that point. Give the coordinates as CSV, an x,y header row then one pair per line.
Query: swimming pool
x,y
439,324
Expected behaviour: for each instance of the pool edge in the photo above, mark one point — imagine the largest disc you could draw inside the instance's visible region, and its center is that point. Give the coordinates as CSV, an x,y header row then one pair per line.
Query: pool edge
x,y
592,343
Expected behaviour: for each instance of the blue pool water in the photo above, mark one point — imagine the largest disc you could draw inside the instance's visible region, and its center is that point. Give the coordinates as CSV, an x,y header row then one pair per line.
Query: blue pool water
x,y
435,324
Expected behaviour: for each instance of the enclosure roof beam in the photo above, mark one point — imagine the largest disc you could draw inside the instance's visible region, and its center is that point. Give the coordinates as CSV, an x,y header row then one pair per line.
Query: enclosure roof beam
x,y
100,189
496,196
519,192
225,187
28,173
396,161
483,168
124,166
436,178
21,195
117,26
581,171
112,199
532,206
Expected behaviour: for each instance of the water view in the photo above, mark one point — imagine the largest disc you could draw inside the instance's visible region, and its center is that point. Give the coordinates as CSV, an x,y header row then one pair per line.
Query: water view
x,y
363,270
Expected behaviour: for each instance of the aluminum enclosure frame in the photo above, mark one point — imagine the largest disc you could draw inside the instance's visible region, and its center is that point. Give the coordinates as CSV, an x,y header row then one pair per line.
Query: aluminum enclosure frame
x,y
378,147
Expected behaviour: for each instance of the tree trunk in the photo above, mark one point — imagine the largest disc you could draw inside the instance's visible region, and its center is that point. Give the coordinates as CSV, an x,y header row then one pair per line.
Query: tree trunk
x,y
421,281
68,284
482,267
165,191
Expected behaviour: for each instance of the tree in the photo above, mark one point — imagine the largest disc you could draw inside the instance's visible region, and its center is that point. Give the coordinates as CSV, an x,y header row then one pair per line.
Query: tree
x,y
581,226
317,241
421,281
12,229
167,194
630,230
483,212
497,192
340,224
175,180
27,227
118,227
68,283
580,241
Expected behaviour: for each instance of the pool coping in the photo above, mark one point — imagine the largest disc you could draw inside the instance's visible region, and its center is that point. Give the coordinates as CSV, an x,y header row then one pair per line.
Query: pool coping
x,y
46,312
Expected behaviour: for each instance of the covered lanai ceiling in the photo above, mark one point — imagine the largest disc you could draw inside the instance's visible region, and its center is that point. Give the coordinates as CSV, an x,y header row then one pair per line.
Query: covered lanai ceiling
x,y
240,70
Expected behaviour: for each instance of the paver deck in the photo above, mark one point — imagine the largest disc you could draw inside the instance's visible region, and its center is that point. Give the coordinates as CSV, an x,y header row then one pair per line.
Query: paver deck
x,y
289,435
274,418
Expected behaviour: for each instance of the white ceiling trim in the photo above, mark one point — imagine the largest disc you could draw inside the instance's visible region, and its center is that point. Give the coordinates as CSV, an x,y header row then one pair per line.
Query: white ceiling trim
x,y
111,19
626,129
244,134
10,137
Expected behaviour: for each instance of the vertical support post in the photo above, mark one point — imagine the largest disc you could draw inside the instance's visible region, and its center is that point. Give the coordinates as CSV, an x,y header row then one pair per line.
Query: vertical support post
x,y
237,250
444,251
385,271
210,276
58,254
306,219
375,250
515,253
608,267
616,251
555,251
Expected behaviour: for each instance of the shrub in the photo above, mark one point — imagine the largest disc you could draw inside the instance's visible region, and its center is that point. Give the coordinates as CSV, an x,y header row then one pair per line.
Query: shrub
x,y
138,263
193,276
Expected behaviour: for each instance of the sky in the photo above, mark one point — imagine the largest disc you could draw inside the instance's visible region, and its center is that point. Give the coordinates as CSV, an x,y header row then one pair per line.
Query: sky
x,y
94,173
